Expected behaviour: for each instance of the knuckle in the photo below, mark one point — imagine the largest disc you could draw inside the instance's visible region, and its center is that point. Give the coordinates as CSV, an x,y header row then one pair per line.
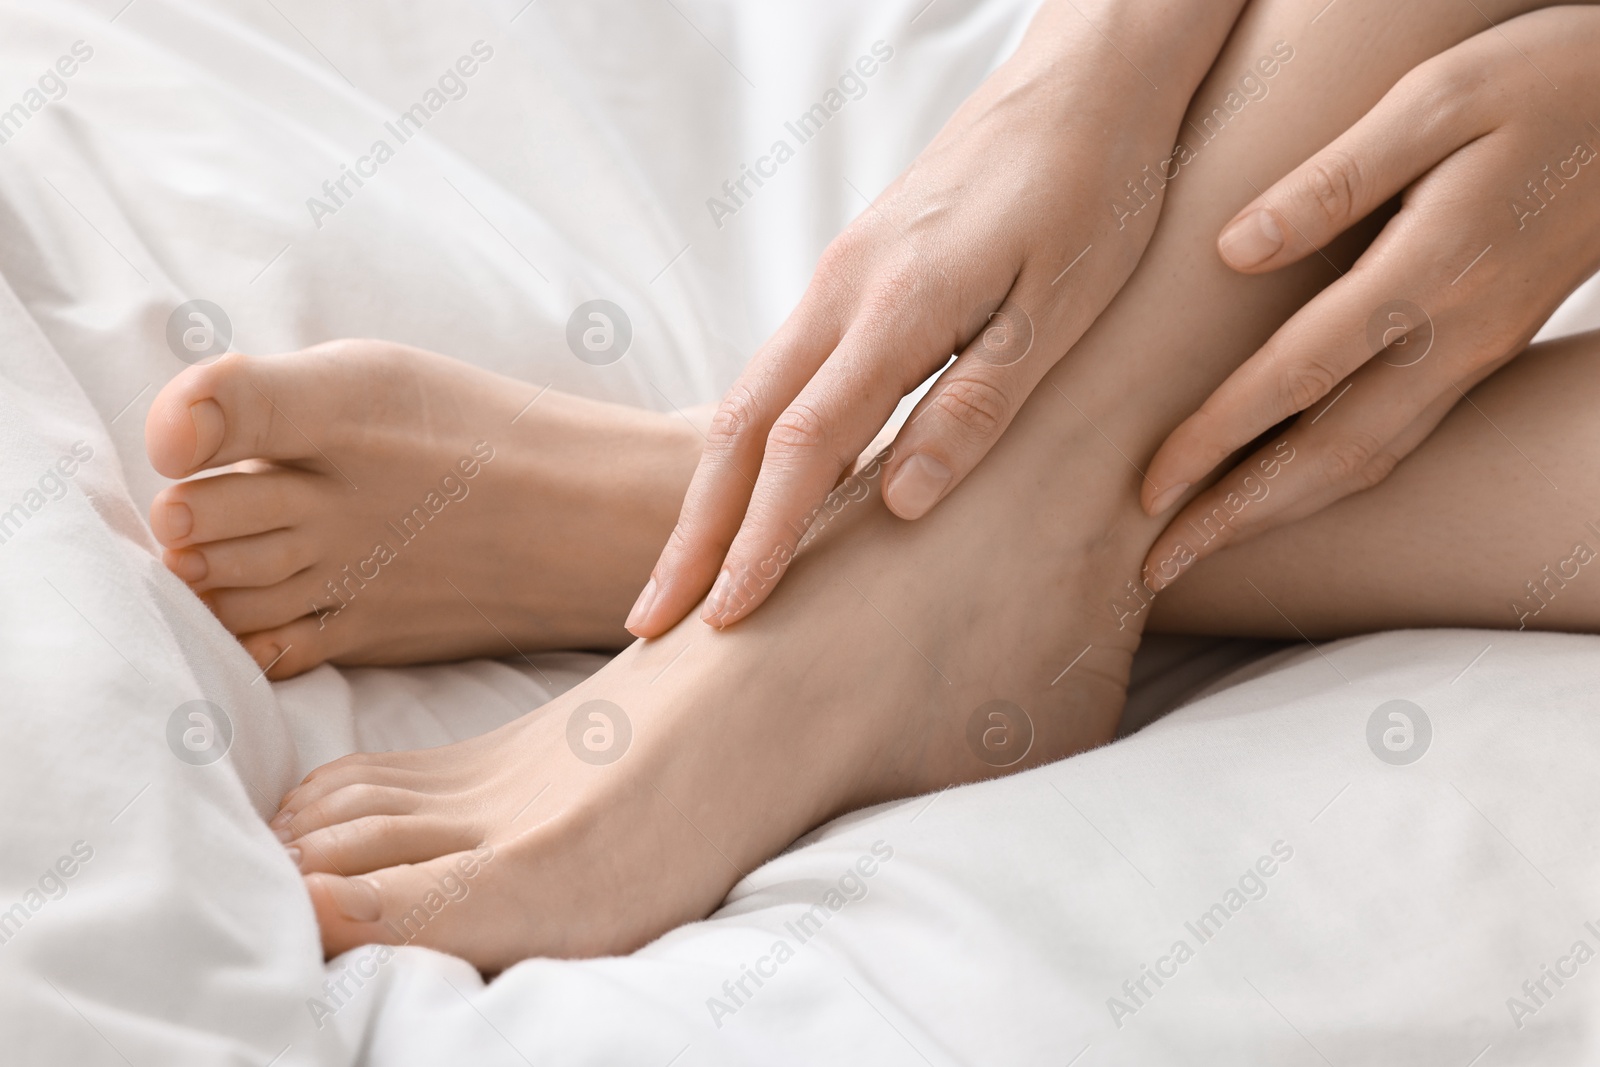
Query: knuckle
x,y
1333,184
678,540
843,253
734,418
1351,461
799,431
359,796
894,287
1379,468
978,407
1306,383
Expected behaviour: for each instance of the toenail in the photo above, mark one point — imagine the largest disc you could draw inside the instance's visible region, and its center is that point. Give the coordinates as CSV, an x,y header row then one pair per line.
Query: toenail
x,y
916,486
208,426
357,900
176,522
190,566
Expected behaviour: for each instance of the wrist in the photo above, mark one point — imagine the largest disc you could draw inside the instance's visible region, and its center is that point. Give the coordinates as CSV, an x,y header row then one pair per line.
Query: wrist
x,y
1162,48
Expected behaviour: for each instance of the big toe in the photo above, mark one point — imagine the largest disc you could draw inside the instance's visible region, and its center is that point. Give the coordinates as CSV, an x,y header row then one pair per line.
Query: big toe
x,y
424,903
183,430
241,407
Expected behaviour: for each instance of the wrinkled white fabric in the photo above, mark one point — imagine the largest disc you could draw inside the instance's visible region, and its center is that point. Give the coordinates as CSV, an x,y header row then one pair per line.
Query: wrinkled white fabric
x,y
989,924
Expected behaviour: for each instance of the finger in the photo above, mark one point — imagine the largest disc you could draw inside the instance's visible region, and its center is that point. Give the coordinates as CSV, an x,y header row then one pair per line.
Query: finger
x,y
1298,367
1382,414
719,493
1418,123
796,422
956,424
816,438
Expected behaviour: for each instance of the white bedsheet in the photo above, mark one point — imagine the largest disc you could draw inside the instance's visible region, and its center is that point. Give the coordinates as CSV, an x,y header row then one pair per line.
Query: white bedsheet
x,y
999,923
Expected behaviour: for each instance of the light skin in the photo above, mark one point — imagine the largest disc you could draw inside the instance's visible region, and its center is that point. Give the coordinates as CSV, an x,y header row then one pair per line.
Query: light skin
x,y
337,470
1495,146
901,288
860,679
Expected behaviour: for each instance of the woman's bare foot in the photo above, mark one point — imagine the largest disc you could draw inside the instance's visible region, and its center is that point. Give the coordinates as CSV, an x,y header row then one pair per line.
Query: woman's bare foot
x,y
396,505
879,666
634,802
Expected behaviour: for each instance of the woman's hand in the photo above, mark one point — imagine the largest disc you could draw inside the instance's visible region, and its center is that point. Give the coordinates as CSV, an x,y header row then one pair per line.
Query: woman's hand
x,y
1002,242
1496,147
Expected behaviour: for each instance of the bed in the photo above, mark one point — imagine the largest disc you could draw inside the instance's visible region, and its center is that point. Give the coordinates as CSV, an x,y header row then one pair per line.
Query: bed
x,y
1381,850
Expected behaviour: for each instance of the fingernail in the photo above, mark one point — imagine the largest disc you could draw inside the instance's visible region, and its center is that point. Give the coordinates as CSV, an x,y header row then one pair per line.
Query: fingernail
x,y
641,607
190,566
208,427
281,819
176,522
916,486
266,655
357,899
283,833
1251,240
1167,497
717,602
293,854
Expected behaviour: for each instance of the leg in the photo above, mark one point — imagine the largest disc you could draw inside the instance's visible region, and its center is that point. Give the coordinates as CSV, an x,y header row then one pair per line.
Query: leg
x,y
1478,527
877,660
402,506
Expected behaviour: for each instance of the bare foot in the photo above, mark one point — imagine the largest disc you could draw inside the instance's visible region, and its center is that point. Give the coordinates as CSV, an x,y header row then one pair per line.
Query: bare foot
x,y
394,505
875,669
895,658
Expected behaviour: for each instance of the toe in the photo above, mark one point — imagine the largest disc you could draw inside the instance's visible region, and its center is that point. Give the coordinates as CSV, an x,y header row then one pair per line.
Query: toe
x,y
250,611
425,903
294,648
234,505
243,562
344,804
373,842
239,407
356,769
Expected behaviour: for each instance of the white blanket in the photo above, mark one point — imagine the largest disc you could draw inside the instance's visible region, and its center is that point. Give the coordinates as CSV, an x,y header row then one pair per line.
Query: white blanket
x,y
147,916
